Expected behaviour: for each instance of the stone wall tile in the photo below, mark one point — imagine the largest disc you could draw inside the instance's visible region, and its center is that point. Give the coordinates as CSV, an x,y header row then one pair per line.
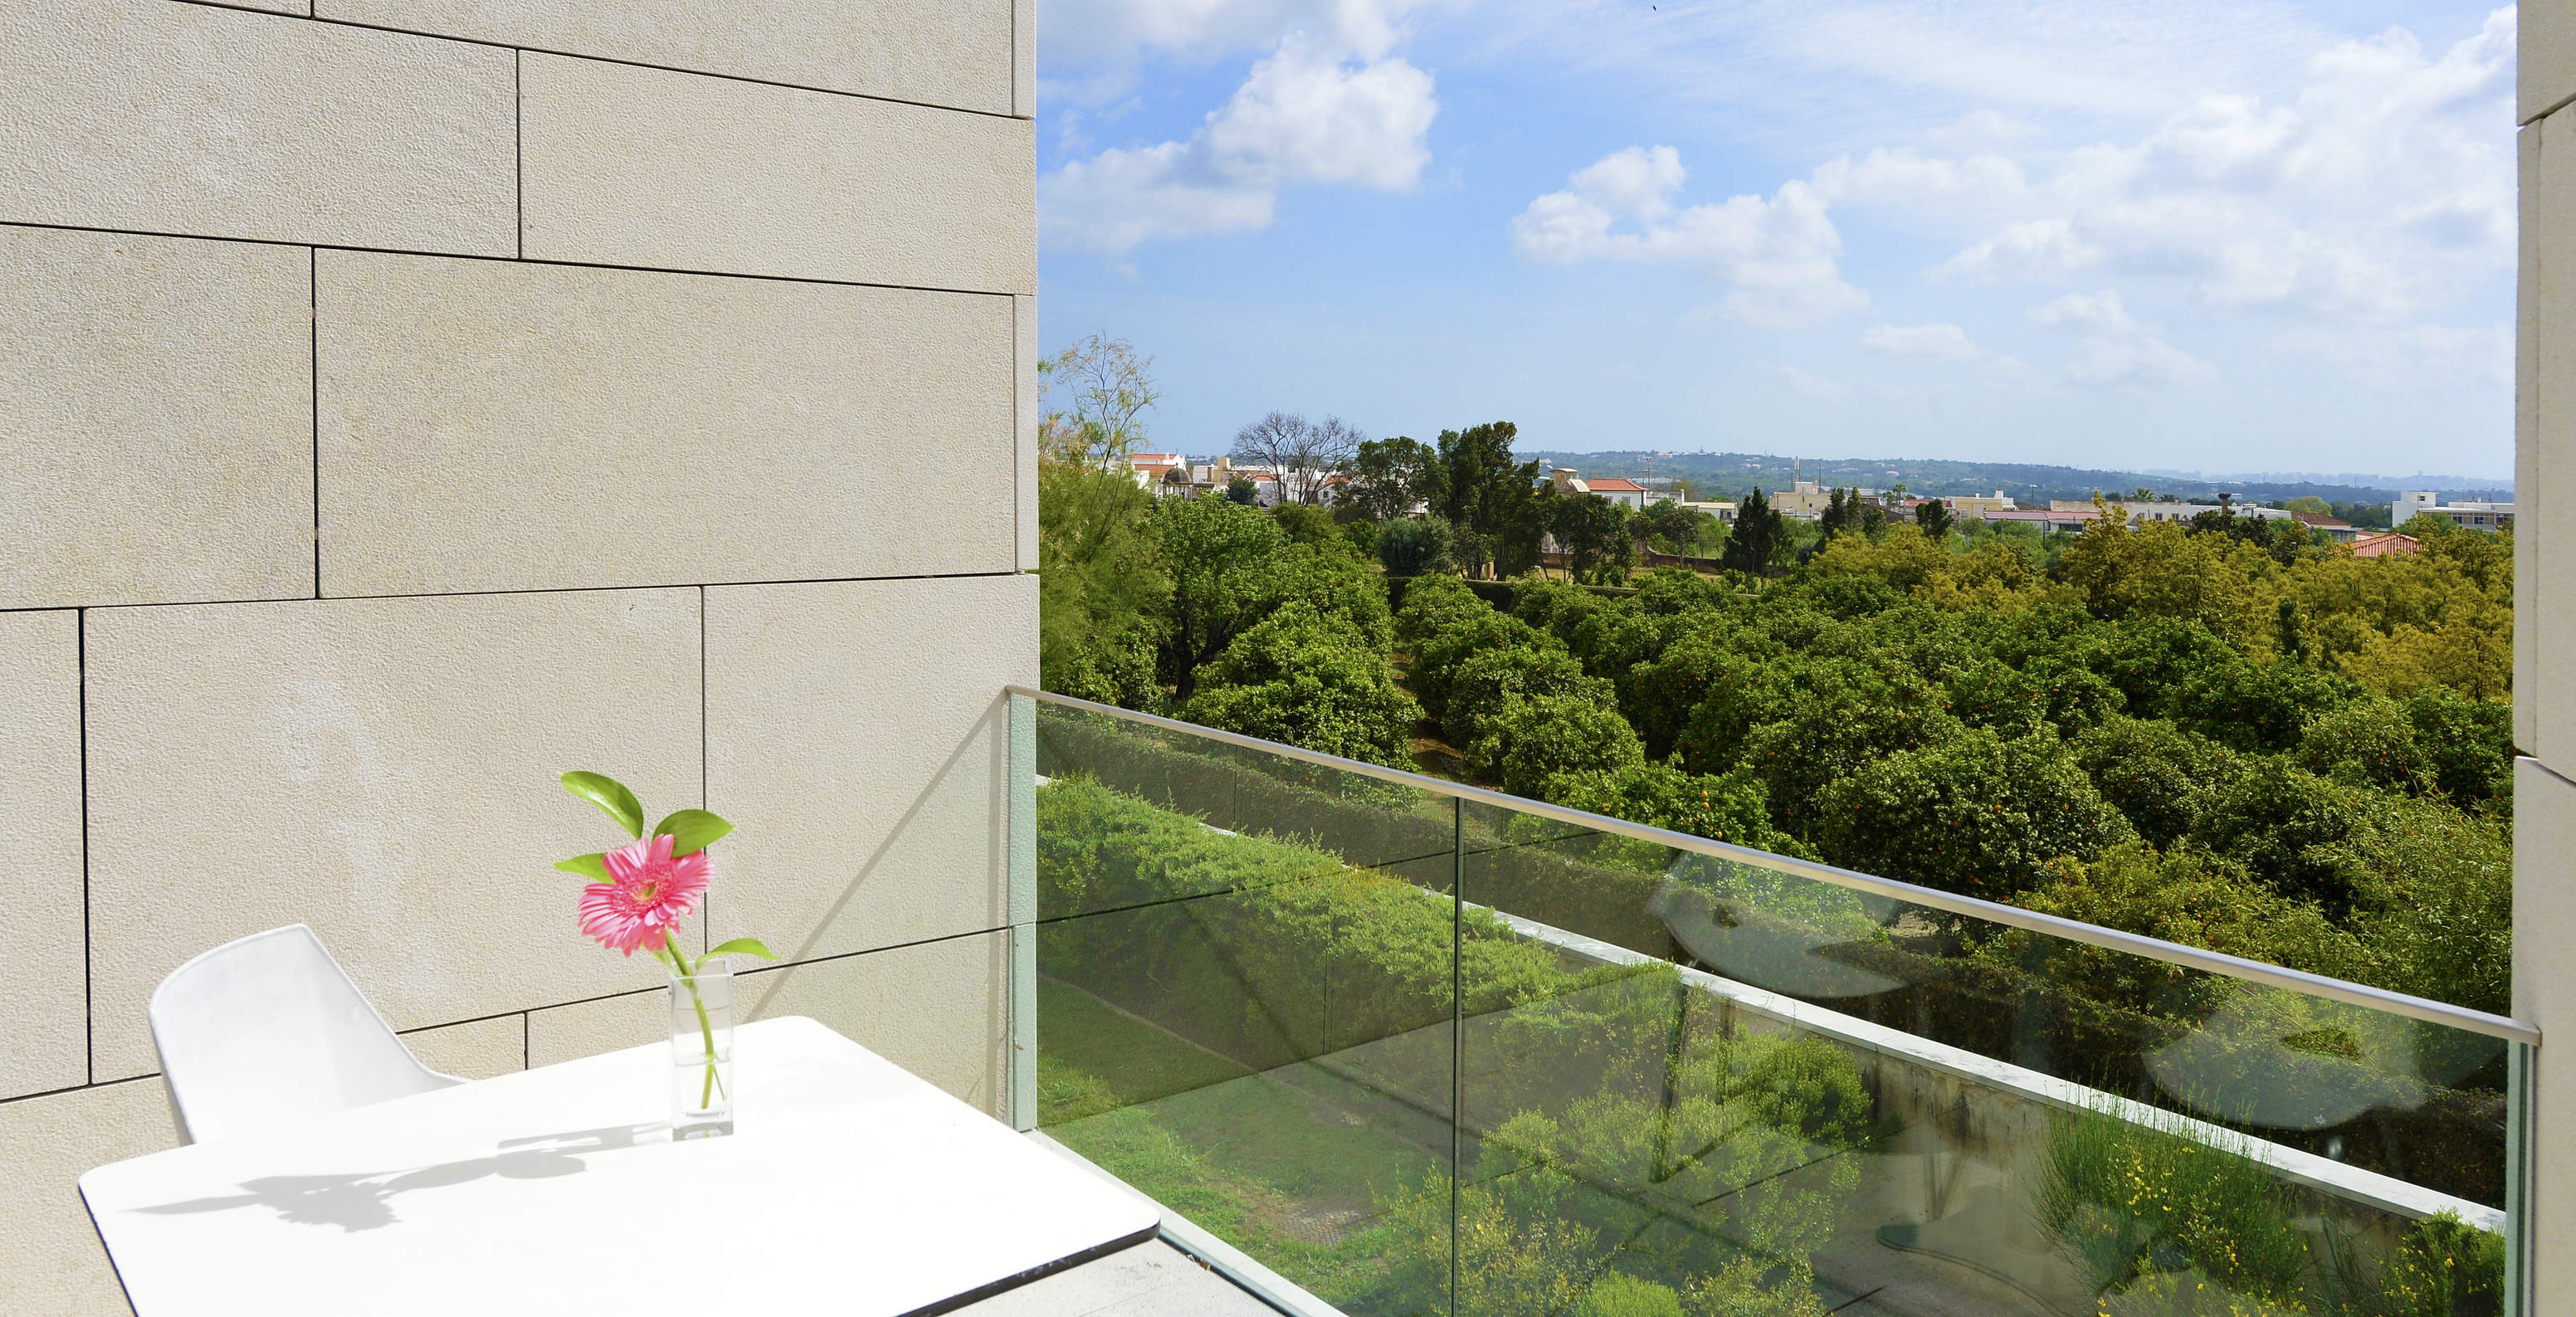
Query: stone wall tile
x,y
649,168
156,420
954,53
45,1044
499,426
215,122
383,770
2545,520
477,1049
857,738
571,1032
2545,46
50,1259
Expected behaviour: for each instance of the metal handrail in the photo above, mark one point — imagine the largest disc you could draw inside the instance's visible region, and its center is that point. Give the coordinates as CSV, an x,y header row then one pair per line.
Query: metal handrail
x,y
2172,953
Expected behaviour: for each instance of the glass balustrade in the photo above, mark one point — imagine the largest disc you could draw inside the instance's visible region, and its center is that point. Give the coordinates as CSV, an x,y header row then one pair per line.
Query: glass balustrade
x,y
1422,1049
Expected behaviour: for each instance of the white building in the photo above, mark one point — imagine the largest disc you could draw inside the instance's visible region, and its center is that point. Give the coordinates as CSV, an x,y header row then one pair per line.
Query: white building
x,y
2476,516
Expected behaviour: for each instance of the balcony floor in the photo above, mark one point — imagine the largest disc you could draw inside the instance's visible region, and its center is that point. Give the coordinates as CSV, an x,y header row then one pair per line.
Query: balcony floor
x,y
1150,1280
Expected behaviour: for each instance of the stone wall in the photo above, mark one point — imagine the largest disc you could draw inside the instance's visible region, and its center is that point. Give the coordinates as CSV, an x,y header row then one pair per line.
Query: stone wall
x,y
402,403
2544,676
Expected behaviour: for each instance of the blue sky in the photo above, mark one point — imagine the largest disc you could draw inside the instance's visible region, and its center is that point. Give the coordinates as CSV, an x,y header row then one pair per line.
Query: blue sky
x,y
2215,236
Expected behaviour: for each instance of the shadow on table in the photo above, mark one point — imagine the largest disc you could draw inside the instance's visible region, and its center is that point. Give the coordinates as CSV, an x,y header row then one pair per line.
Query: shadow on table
x,y
365,1201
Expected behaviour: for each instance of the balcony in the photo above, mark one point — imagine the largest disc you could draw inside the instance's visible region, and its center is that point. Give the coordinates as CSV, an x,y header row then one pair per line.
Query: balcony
x,y
1391,1045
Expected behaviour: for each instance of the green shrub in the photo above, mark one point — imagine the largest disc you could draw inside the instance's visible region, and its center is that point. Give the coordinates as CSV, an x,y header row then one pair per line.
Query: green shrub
x,y
2467,744
1438,657
1483,689
1417,546
1618,1294
2159,778
1310,679
1731,808
2278,821
1977,815
2371,742
2186,896
1545,735
2150,1213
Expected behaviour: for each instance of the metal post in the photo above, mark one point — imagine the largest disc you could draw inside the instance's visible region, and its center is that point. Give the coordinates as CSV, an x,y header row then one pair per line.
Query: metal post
x,y
2522,1076
1023,910
1457,1023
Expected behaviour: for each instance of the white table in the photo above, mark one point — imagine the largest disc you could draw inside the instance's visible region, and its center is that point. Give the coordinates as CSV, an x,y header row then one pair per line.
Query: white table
x,y
851,1187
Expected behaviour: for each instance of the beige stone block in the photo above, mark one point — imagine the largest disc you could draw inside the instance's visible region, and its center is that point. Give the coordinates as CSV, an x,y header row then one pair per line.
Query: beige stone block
x,y
2526,446
156,420
858,739
477,1049
2546,52
2545,556
1024,319
385,771
46,1042
645,167
214,122
939,1009
569,1033
50,1259
954,53
2544,993
498,426
1024,58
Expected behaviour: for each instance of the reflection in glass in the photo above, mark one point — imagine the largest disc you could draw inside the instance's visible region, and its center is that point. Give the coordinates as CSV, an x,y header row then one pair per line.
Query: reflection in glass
x,y
1424,1055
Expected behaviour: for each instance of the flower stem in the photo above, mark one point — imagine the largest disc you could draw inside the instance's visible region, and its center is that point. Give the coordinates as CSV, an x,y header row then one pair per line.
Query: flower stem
x,y
680,970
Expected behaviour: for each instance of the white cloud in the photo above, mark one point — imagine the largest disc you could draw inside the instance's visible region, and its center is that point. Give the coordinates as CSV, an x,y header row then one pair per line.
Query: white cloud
x,y
1931,342
1779,255
1304,115
1102,44
2115,347
2380,184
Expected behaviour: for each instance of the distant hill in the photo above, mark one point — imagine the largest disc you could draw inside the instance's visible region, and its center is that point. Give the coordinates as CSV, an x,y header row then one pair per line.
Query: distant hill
x,y
1727,475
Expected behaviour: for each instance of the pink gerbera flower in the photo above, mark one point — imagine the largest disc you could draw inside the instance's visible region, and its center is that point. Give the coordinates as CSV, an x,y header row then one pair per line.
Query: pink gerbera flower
x,y
647,895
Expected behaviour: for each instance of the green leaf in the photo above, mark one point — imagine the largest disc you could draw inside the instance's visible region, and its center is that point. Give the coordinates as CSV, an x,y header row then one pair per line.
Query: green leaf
x,y
741,946
691,830
611,796
593,866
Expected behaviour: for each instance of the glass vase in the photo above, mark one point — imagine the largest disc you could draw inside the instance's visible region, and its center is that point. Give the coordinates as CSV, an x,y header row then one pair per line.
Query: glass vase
x,y
702,1055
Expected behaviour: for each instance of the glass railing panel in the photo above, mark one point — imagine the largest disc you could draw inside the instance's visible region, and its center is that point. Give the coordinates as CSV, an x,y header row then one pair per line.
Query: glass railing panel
x,y
1748,1086
1690,1079
1358,821
1244,1003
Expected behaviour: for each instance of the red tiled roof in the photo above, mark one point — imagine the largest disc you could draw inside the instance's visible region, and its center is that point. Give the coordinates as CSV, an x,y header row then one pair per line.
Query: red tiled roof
x,y
2377,546
1615,485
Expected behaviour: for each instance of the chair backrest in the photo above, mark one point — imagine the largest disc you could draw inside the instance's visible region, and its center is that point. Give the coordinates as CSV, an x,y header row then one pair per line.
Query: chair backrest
x,y
269,1029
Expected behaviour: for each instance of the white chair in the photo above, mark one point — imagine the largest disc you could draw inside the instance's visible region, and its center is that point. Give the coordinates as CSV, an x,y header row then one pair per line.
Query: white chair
x,y
269,1029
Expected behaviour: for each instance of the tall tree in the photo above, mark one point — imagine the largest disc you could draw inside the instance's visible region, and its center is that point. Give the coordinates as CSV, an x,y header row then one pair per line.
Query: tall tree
x,y
1303,454
1203,544
1933,516
1105,389
1386,477
1490,501
1760,537
1594,532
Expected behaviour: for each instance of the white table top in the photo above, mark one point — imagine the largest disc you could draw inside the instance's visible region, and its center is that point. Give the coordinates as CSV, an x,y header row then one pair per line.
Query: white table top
x,y
850,1187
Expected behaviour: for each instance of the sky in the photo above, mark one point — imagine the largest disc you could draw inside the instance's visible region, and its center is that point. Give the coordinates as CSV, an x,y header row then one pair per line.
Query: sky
x,y
2143,234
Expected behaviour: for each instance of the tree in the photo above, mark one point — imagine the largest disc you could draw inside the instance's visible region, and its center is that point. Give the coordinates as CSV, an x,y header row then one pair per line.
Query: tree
x,y
1759,539
1311,678
1595,535
1489,500
2157,777
1307,524
1415,546
1933,517
1550,734
1242,492
1978,815
1203,543
1108,389
1100,586
1673,528
1386,478
1302,454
